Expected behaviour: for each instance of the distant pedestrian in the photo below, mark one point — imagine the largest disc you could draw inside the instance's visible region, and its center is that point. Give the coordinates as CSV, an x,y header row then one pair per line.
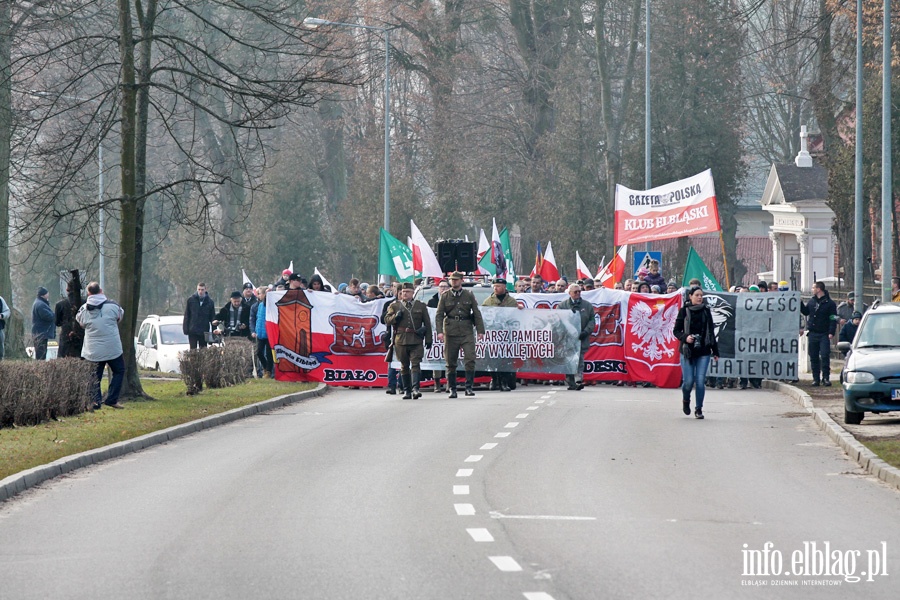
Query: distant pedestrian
x,y
263,349
585,312
43,323
71,335
100,318
199,313
848,331
821,324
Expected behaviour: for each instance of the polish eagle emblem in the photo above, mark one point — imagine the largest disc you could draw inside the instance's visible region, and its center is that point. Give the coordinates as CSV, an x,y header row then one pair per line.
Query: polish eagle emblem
x,y
654,328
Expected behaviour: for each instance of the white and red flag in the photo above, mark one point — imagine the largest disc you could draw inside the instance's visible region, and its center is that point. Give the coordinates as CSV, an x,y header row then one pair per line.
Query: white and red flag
x,y
483,248
581,269
424,260
613,271
678,209
549,272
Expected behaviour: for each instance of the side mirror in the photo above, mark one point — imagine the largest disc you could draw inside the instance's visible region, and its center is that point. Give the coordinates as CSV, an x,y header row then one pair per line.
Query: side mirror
x,y
843,346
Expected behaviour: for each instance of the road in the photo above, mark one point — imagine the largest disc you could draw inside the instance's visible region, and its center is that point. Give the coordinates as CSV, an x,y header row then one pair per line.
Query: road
x,y
539,494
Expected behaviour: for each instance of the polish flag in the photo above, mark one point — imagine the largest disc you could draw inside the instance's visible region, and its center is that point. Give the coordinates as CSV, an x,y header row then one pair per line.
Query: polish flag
x,y
549,272
613,271
424,260
483,247
581,269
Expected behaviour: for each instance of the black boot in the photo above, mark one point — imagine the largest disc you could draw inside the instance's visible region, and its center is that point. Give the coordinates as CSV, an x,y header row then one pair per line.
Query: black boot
x,y
495,382
504,381
415,385
470,381
407,386
451,380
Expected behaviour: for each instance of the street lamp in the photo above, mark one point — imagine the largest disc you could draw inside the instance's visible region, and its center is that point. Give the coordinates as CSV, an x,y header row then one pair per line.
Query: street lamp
x,y
101,212
313,23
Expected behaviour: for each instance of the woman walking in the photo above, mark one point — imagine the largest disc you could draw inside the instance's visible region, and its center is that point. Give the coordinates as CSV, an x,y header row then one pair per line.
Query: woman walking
x,y
695,330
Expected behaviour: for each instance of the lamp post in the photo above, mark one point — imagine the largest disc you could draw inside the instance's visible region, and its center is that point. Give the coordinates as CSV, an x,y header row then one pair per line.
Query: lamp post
x,y
101,212
313,23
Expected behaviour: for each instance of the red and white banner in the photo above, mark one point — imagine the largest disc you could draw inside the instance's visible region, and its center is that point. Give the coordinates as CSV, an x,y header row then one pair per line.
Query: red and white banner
x,y
581,269
333,338
612,273
678,209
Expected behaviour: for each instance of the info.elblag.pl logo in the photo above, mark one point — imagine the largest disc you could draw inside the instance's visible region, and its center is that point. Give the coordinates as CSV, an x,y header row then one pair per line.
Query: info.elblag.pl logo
x,y
813,560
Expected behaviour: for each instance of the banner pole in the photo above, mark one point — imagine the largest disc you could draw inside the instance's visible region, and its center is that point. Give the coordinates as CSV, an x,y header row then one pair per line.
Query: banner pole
x,y
724,260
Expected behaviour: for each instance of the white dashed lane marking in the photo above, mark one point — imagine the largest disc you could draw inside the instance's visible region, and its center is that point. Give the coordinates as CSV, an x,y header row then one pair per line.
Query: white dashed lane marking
x,y
545,397
464,510
539,401
460,490
502,434
480,535
505,563
512,424
490,446
537,596
521,415
464,473
532,408
475,458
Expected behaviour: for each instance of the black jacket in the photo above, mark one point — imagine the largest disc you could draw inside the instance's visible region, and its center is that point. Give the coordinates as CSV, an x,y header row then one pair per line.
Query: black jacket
x,y
224,318
821,314
702,328
198,316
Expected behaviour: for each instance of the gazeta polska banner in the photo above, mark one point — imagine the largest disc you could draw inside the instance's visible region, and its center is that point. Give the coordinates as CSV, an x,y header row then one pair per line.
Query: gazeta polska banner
x,y
682,208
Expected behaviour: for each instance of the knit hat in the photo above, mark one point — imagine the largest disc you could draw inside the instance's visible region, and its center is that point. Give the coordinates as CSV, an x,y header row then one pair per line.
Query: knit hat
x,y
42,291
856,315
754,288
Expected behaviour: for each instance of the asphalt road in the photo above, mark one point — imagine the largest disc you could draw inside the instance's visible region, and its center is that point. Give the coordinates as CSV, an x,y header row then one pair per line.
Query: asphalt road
x,y
538,494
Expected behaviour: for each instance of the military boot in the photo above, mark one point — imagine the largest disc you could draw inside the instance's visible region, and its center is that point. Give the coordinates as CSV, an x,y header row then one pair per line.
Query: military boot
x,y
416,376
452,382
470,381
504,382
407,386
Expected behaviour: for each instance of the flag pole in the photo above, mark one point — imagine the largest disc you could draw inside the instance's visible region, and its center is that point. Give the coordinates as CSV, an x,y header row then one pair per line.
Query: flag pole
x,y
724,260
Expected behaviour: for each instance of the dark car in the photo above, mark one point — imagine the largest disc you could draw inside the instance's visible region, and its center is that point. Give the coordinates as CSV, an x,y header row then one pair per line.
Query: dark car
x,y
871,375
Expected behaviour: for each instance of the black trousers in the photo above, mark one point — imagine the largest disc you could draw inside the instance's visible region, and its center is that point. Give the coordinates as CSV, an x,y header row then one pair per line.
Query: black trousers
x,y
264,354
197,341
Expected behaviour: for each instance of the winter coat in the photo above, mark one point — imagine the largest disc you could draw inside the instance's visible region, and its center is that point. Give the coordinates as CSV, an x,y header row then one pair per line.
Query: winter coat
x,y
198,315
43,321
585,312
697,322
100,318
821,314
260,323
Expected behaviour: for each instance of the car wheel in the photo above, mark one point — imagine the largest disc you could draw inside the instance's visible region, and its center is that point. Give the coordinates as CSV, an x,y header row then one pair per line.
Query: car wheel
x,y
853,418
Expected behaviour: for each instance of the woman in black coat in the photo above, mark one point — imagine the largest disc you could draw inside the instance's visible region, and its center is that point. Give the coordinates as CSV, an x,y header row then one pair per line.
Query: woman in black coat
x,y
696,331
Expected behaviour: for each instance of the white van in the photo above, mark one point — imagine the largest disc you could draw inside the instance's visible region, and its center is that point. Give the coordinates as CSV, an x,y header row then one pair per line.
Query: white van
x,y
159,343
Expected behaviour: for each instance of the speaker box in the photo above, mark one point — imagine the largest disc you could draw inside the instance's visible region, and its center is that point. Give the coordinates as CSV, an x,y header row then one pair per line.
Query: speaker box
x,y
456,255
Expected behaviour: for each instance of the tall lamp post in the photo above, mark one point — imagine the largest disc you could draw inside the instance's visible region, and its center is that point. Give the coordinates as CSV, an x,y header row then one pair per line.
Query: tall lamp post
x,y
101,212
313,23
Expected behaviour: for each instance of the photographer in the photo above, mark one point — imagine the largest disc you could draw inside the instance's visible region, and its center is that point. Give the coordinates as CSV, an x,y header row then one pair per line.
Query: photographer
x,y
233,319
695,329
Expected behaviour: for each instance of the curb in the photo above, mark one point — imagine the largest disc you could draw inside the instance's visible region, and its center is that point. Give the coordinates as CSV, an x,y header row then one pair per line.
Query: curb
x,y
864,457
23,480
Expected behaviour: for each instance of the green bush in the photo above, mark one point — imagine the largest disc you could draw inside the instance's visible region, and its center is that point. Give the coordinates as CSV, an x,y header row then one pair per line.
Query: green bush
x,y
217,366
32,392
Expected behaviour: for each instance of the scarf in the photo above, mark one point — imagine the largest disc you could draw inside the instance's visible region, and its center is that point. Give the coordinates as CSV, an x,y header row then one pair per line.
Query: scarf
x,y
699,311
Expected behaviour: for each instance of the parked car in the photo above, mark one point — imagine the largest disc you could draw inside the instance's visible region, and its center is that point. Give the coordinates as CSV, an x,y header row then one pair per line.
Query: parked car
x,y
159,342
871,375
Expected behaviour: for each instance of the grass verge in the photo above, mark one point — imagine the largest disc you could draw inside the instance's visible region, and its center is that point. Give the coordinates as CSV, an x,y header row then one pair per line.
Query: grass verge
x,y
887,450
26,447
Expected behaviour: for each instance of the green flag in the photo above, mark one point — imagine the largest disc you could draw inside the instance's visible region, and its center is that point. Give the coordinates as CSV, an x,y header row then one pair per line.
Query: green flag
x,y
695,267
486,264
395,258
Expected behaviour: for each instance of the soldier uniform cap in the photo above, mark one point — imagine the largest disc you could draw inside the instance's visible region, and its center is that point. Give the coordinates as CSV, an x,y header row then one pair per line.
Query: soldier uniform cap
x,y
499,280
407,286
456,275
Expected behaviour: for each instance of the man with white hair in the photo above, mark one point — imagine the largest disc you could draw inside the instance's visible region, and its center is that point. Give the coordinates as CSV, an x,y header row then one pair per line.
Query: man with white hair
x,y
585,312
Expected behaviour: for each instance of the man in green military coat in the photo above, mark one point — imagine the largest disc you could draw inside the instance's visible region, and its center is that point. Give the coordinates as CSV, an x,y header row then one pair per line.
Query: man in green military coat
x,y
502,380
585,312
412,328
457,314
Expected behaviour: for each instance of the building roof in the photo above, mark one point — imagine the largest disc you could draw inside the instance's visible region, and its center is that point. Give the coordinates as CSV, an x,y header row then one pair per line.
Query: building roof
x,y
802,183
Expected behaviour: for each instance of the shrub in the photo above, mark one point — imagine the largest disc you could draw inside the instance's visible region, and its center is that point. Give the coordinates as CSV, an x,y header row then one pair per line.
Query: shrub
x,y
32,392
217,366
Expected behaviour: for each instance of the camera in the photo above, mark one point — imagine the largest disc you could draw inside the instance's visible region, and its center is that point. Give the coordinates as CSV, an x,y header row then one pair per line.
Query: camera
x,y
696,345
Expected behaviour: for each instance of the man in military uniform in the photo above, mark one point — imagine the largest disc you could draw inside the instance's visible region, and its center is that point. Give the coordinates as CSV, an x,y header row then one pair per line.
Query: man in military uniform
x,y
502,380
586,321
412,327
457,312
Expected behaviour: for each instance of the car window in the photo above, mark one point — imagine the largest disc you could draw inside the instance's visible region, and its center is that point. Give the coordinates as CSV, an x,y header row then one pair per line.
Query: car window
x,y
144,333
879,330
172,335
